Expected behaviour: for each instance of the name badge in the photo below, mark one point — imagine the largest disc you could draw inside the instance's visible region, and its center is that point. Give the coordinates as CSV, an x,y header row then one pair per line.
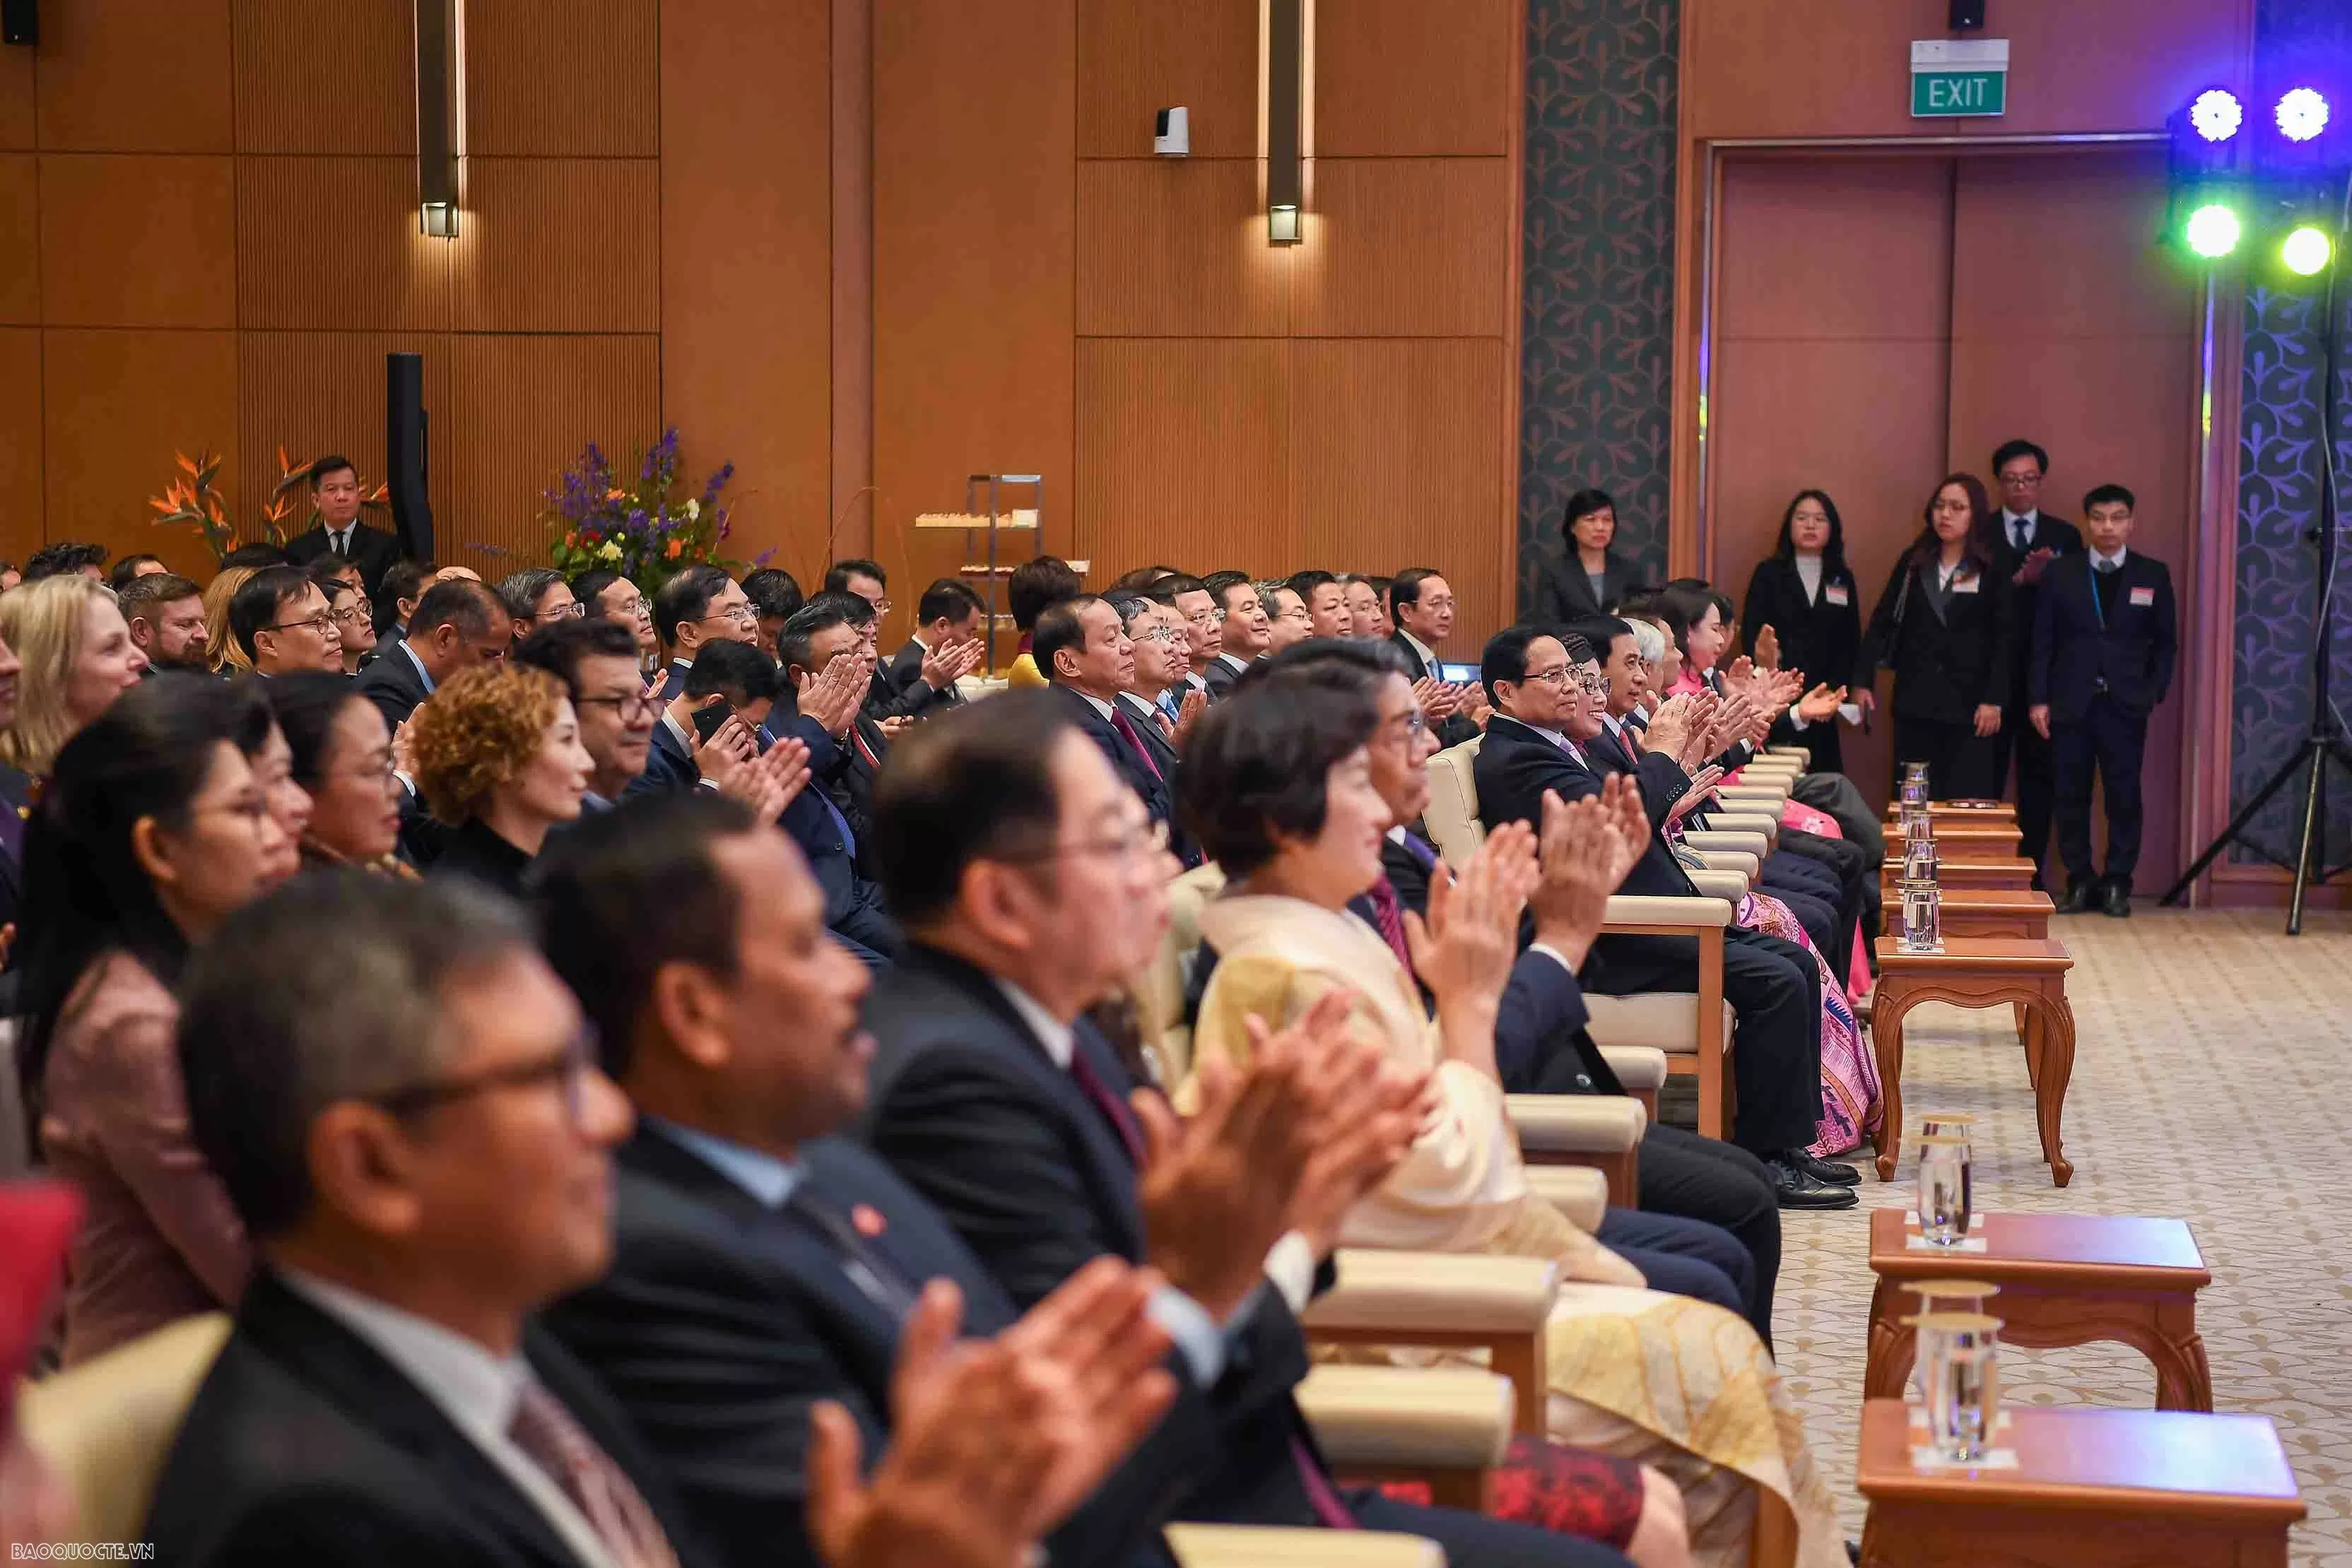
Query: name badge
x,y
1838,593
1968,584
2143,597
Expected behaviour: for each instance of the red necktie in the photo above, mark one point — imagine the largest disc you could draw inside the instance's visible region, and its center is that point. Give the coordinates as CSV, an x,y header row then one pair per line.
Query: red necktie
x,y
546,1433
1119,722
1122,1119
1389,913
1625,745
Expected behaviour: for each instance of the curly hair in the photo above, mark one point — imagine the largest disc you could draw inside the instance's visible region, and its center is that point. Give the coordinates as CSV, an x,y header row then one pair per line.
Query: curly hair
x,y
478,730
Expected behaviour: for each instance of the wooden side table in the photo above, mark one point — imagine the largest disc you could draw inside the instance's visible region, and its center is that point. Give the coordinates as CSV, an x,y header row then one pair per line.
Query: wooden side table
x,y
2092,1489
2065,1280
1989,912
1980,972
1967,868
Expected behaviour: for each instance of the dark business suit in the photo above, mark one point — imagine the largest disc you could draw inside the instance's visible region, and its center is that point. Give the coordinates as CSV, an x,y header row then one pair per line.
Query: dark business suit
x,y
394,684
2036,763
376,551
305,1444
862,750
968,1108
1454,728
763,1313
1221,673
1773,986
2105,644
476,850
899,691
1820,636
1563,589
1146,718
1949,649
1147,772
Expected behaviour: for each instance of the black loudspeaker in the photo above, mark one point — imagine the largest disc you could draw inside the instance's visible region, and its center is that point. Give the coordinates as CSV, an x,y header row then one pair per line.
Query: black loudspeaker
x,y
20,21
1967,16
407,454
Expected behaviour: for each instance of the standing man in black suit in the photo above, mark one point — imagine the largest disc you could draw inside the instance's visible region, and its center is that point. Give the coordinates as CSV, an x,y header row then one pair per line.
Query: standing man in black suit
x,y
2105,643
1421,603
335,492
458,623
1031,885
2030,542
920,678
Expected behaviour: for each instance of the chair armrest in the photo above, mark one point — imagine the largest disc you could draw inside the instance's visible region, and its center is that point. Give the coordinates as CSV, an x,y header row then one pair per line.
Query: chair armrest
x,y
1729,885
1720,838
1760,797
1578,1192
1740,864
1271,1546
1637,1067
1767,823
1643,911
1576,1124
1454,1292
1386,1418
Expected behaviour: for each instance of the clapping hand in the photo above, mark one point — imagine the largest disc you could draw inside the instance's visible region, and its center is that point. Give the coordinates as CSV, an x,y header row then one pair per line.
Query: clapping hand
x,y
1188,713
834,696
949,662
1702,786
2030,570
771,781
1768,649
1463,949
1821,702
1670,727
1438,700
1580,868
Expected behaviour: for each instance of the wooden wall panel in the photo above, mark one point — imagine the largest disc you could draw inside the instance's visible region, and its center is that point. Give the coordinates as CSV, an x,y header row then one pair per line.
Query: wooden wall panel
x,y
1184,455
1137,56
519,409
314,393
328,78
538,248
1406,248
116,405
20,446
1177,249
1855,249
746,258
1395,463
577,78
333,243
135,76
1406,78
138,240
18,112
850,505
20,259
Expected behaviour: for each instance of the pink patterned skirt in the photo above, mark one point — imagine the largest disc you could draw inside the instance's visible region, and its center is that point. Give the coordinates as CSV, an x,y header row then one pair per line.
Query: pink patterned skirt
x,y
1850,1093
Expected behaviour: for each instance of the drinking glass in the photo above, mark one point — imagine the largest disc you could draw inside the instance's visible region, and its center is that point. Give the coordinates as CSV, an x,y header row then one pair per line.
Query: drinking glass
x,y
1962,1382
1956,1124
1944,1189
1923,920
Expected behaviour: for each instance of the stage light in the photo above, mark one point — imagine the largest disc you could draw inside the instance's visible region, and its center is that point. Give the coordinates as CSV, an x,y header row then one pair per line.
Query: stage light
x,y
2213,231
2302,114
2216,114
2306,250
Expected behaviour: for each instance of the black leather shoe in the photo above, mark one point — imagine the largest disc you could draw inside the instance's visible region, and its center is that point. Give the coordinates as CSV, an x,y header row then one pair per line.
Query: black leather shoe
x,y
2081,899
1831,1171
1795,1189
2116,901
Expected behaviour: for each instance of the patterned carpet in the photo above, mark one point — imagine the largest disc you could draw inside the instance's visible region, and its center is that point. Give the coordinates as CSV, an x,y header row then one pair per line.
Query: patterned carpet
x,y
2243,1154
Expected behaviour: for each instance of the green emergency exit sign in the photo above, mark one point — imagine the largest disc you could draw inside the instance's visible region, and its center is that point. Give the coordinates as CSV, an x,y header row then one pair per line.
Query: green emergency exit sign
x,y
1955,77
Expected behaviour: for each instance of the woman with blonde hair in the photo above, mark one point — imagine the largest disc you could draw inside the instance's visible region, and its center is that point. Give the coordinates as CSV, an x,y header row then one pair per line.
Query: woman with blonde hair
x,y
228,658
78,656
498,757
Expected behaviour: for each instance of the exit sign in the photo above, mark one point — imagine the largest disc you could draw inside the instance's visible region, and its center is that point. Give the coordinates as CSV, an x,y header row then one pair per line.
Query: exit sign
x,y
1955,77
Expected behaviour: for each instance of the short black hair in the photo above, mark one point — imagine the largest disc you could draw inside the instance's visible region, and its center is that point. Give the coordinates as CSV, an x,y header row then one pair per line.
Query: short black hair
x,y
1583,504
256,606
1130,605
1505,657
1365,659
854,607
1221,583
594,882
1034,586
558,647
686,598
256,555
948,599
1176,583
738,670
328,583
371,953
458,601
403,580
2010,451
1597,632
1681,604
1305,583
63,559
521,591
306,704
1057,629
1258,765
837,575
823,613
775,593
975,783
146,594
2107,496
127,568
1404,588
333,461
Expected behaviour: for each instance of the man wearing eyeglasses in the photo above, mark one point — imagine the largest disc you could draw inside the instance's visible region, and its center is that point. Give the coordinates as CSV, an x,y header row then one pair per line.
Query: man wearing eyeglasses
x,y
1154,698
1204,629
1288,620
702,604
281,620
458,623
597,663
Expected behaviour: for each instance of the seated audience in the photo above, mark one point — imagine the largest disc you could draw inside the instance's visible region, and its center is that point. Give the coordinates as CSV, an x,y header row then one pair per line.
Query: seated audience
x,y
499,761
131,568
340,754
1588,577
9,575
830,628
946,646
1288,620
615,597
396,598
456,626
1280,788
1943,624
1243,633
222,650
1158,635
1085,653
701,606
66,557
1368,618
597,659
1033,587
863,577
153,831
354,616
1202,625
1033,888
1326,602
775,596
76,658
254,557
280,620
336,498
37,1221
536,596
1805,596
166,617
735,1135
1422,602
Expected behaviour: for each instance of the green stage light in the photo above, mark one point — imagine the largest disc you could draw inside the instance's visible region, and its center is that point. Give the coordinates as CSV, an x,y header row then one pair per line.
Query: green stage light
x,y
2306,251
2213,231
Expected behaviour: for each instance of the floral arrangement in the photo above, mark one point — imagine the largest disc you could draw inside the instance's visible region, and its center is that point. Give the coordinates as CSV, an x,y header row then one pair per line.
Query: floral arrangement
x,y
194,500
643,530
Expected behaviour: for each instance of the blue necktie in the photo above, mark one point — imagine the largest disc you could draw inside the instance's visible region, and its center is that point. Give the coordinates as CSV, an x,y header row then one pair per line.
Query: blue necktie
x,y
1169,705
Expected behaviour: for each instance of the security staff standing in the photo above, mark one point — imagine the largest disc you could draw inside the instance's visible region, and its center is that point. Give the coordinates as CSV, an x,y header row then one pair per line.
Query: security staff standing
x,y
2029,542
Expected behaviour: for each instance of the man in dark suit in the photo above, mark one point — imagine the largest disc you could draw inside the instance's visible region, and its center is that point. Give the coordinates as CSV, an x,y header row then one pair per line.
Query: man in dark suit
x,y
335,492
787,1261
2031,541
831,627
458,623
1153,698
1083,653
597,663
1027,873
920,678
1548,699
2105,643
1421,603
702,604
1243,634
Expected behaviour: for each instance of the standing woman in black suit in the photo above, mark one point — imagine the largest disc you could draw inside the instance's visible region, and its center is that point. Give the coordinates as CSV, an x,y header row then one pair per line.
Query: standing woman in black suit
x,y
1943,625
1807,594
1589,577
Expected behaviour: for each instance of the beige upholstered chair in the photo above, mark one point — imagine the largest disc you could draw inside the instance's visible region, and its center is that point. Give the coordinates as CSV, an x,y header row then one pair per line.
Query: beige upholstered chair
x,y
108,1423
1254,1546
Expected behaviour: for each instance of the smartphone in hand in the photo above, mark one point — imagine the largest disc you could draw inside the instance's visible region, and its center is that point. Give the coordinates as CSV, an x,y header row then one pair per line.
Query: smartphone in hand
x,y
708,720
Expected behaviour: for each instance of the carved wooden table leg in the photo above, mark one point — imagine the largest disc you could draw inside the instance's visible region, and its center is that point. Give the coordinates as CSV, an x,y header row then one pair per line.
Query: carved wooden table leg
x,y
2057,1035
1886,1039
2031,1034
2183,1380
1893,1344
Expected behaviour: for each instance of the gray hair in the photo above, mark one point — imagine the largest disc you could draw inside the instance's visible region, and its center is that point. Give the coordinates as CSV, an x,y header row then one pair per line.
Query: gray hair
x,y
521,590
1649,642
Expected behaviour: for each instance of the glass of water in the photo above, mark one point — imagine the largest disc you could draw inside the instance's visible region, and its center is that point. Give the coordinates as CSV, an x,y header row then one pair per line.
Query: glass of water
x,y
1960,1124
1944,1189
1960,1377
1923,918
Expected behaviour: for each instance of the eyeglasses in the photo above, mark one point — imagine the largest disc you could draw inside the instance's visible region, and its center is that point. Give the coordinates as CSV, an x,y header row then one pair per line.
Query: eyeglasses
x,y
2018,481
1413,724
631,705
1552,677
568,1070
372,770
320,624
1144,839
632,607
883,606
1594,685
564,612
1155,635
1298,615
354,615
741,615
1207,617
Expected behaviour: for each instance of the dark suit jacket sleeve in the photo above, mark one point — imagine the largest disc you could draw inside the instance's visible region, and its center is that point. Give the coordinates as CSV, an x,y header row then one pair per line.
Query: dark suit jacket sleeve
x,y
2043,643
1999,690
1762,608
2167,634
1662,782
1541,1000
338,1527
1878,642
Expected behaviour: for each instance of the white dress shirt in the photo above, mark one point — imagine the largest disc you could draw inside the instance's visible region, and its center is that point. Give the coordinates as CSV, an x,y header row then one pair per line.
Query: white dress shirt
x,y
2116,560
1421,650
1808,572
2008,521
